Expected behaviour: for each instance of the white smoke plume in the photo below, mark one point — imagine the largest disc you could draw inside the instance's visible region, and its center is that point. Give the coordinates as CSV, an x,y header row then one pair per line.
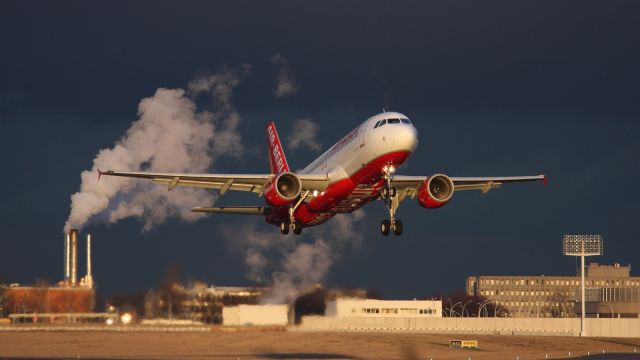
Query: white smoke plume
x,y
285,83
304,134
289,265
170,135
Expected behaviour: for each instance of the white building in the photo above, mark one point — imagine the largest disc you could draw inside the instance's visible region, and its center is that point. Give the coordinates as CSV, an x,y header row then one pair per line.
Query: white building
x,y
383,308
256,315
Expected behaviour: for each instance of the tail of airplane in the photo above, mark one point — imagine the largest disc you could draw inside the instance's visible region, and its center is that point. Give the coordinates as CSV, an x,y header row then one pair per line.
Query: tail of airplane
x,y
277,160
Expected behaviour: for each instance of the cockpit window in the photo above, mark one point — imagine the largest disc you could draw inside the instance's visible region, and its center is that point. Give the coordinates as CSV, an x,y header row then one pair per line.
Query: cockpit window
x,y
405,121
394,121
383,122
377,124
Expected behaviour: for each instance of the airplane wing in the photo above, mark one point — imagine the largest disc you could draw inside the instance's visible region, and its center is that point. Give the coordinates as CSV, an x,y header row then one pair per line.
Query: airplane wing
x,y
411,184
223,182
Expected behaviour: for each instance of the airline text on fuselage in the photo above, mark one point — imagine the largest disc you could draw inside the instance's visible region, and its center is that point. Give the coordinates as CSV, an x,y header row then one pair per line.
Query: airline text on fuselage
x,y
276,150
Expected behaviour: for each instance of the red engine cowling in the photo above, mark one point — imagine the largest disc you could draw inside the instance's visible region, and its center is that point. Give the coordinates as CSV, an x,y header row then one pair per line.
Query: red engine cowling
x,y
435,191
283,190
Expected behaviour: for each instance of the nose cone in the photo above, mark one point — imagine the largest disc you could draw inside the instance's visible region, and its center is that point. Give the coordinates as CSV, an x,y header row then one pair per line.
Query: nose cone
x,y
392,137
405,137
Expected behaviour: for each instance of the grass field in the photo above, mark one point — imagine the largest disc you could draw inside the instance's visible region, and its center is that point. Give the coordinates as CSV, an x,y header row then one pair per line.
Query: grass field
x,y
250,344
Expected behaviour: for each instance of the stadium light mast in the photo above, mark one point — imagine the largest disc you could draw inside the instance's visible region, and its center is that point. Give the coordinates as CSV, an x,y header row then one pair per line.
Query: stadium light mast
x,y
582,245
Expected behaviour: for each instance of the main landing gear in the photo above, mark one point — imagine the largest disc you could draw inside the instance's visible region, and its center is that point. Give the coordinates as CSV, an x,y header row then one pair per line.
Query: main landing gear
x,y
292,223
390,196
287,225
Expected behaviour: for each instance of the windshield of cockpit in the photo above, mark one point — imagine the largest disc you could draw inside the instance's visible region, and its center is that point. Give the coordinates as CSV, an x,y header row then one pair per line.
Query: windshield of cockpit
x,y
392,121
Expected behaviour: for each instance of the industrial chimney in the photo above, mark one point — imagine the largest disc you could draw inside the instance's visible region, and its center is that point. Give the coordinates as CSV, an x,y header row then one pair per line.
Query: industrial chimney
x,y
73,235
88,279
67,251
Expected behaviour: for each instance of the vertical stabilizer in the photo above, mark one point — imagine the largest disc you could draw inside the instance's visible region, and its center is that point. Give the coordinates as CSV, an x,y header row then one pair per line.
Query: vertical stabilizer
x,y
277,161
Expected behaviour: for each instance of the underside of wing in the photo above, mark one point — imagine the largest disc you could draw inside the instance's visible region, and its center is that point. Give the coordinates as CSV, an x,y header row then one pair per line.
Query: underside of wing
x,y
411,184
243,210
224,182
487,183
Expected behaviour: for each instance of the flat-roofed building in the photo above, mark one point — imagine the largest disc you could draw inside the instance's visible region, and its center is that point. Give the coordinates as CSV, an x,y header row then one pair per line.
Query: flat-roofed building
x,y
621,302
548,296
383,308
256,315
46,299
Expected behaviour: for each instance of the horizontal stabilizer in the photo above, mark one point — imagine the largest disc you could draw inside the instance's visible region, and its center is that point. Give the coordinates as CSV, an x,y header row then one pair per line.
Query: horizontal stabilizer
x,y
245,210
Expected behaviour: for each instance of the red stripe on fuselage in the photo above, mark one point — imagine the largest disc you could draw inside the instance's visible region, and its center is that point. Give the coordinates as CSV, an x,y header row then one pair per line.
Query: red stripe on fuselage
x,y
343,195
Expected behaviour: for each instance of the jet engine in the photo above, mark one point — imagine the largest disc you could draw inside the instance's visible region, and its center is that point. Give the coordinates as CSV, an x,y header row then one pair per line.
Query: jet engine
x,y
435,191
283,190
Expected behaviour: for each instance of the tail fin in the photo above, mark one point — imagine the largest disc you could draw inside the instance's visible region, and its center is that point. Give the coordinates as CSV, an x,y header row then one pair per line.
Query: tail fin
x,y
277,160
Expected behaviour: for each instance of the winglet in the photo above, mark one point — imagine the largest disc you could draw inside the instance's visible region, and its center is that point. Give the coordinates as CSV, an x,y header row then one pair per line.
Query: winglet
x,y
544,179
99,174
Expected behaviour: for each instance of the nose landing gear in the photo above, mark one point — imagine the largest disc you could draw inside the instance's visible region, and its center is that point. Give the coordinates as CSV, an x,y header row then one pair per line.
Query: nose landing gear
x,y
390,196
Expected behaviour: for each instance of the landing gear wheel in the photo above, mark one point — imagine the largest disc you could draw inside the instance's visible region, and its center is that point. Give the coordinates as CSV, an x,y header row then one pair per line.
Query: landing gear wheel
x,y
297,227
284,227
397,230
385,227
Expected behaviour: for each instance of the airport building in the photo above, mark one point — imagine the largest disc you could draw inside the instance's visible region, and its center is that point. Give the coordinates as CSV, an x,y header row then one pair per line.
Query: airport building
x,y
342,307
621,302
556,296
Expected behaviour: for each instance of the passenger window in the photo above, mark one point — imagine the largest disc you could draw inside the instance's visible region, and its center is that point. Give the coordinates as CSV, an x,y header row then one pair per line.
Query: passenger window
x,y
394,121
377,124
383,122
405,121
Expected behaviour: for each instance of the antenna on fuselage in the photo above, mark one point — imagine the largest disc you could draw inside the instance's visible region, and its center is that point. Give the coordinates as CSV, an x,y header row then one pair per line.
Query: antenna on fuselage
x,y
383,110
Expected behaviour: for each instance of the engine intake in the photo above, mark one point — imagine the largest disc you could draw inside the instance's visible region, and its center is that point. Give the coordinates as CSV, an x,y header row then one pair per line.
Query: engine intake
x,y
283,190
435,191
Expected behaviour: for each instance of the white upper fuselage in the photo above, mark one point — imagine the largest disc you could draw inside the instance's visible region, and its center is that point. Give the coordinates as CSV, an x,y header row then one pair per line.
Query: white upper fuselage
x,y
363,144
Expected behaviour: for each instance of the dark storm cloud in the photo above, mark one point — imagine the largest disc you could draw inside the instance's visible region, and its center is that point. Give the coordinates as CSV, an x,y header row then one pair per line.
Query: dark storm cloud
x,y
495,88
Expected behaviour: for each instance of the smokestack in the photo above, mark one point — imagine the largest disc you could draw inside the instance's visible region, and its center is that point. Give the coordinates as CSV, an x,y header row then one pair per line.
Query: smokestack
x,y
88,280
67,250
74,256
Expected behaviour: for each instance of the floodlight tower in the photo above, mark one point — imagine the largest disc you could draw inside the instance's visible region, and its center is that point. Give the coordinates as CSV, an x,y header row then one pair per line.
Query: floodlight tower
x,y
582,245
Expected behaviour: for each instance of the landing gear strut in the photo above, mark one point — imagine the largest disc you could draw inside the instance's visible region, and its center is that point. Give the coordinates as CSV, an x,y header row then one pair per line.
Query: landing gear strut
x,y
292,223
390,196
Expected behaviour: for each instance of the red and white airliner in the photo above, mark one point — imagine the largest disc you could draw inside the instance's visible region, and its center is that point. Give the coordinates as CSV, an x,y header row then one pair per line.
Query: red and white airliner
x,y
356,170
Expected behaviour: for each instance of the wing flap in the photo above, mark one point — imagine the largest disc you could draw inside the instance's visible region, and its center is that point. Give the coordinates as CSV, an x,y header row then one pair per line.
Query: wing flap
x,y
210,185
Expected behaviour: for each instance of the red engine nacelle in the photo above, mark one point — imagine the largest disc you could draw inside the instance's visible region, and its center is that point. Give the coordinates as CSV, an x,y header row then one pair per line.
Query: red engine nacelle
x,y
283,190
435,191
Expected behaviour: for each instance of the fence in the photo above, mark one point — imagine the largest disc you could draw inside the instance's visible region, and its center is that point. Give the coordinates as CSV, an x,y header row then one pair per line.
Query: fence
x,y
498,326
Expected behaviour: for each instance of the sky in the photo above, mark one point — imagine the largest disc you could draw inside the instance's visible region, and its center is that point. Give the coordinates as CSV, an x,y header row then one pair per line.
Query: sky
x,y
495,88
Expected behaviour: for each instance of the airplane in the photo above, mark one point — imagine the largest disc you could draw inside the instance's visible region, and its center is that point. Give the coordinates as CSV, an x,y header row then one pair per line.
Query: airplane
x,y
358,169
